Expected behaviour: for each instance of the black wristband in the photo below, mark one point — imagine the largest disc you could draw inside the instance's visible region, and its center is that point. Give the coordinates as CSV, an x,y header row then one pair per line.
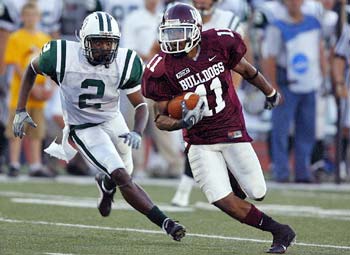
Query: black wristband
x,y
253,76
138,133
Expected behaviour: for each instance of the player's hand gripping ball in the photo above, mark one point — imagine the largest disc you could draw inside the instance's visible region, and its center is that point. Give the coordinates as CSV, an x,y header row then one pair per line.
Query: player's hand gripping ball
x,y
174,105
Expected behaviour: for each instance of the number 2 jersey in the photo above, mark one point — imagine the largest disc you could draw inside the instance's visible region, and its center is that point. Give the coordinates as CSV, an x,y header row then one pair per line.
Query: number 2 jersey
x,y
89,94
167,76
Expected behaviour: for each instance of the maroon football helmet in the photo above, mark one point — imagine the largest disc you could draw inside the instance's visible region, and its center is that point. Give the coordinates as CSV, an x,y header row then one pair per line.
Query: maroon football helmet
x,y
180,30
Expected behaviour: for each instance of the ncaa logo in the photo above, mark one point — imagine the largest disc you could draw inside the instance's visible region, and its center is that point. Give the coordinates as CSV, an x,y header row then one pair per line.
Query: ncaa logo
x,y
300,63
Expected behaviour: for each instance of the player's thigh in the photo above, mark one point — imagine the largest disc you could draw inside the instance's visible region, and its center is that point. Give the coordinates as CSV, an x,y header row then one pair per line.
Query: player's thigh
x,y
346,112
114,128
97,147
210,172
244,164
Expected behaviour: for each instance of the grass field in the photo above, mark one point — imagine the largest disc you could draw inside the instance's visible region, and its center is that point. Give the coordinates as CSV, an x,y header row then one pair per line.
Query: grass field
x,y
59,217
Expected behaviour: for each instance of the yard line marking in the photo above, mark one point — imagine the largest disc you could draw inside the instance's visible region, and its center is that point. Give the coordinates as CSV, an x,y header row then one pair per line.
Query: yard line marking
x,y
53,253
146,231
292,210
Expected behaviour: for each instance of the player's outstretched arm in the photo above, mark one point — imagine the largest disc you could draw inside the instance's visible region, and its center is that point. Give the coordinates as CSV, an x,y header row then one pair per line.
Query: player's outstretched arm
x,y
253,76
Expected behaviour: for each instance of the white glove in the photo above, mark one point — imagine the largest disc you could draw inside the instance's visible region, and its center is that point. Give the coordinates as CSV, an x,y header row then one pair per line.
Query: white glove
x,y
192,117
272,101
133,139
21,117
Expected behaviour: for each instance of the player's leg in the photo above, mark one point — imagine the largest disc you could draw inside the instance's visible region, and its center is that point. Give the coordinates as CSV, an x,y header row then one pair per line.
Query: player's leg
x,y
14,144
183,191
33,145
210,171
244,164
318,150
281,119
304,136
104,155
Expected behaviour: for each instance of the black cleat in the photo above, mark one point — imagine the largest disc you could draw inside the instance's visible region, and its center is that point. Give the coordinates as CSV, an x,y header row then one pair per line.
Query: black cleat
x,y
104,204
174,229
13,172
282,239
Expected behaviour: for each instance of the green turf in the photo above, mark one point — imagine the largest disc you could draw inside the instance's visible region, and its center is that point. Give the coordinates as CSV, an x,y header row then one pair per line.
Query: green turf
x,y
30,237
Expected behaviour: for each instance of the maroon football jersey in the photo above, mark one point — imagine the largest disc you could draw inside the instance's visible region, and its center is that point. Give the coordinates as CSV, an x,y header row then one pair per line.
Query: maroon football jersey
x,y
167,76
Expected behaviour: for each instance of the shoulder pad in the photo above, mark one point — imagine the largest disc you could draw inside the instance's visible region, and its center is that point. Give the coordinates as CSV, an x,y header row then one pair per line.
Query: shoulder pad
x,y
156,66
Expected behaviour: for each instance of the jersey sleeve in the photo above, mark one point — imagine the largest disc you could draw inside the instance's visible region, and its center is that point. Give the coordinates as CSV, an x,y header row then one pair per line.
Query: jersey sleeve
x,y
155,85
342,48
52,60
233,46
132,72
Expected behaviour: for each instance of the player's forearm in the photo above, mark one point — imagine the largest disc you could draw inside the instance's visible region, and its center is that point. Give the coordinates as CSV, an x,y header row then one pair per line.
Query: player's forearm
x,y
26,86
261,83
167,123
141,117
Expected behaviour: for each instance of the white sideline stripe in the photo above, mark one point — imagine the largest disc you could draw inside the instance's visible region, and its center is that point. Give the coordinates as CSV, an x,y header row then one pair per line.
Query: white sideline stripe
x,y
118,205
161,232
87,180
89,202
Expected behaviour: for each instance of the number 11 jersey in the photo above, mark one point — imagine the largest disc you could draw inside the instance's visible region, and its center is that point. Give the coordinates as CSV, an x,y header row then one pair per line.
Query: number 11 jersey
x,y
208,75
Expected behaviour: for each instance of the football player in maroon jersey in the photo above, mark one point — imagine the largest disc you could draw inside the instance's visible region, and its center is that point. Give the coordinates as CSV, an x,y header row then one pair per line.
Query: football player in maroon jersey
x,y
214,131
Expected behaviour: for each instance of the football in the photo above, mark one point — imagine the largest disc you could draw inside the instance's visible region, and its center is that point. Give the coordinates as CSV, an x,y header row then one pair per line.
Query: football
x,y
174,105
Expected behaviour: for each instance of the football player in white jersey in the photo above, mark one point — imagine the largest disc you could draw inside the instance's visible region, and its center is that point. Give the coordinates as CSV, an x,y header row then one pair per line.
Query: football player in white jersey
x,y
341,77
90,75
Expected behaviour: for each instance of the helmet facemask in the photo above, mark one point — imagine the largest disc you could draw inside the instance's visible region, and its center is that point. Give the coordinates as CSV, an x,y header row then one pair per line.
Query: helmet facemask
x,y
178,38
101,50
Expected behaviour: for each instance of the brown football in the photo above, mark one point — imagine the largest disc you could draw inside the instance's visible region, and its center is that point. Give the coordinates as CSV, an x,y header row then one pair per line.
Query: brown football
x,y
174,105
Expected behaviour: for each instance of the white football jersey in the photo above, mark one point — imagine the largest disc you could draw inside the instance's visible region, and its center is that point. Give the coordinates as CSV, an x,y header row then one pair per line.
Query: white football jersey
x,y
51,13
239,7
10,13
343,49
89,94
276,10
224,19
119,9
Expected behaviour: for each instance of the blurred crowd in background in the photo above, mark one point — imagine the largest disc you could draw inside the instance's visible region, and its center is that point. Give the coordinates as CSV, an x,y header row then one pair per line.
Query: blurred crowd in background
x,y
307,138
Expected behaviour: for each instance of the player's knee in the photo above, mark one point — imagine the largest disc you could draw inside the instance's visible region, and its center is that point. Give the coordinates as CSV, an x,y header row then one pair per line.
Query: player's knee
x,y
121,177
258,193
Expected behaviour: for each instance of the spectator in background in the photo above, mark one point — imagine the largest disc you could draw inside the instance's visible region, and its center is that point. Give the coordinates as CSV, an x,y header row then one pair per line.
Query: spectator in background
x,y
293,49
166,160
119,9
7,25
341,78
21,47
328,20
